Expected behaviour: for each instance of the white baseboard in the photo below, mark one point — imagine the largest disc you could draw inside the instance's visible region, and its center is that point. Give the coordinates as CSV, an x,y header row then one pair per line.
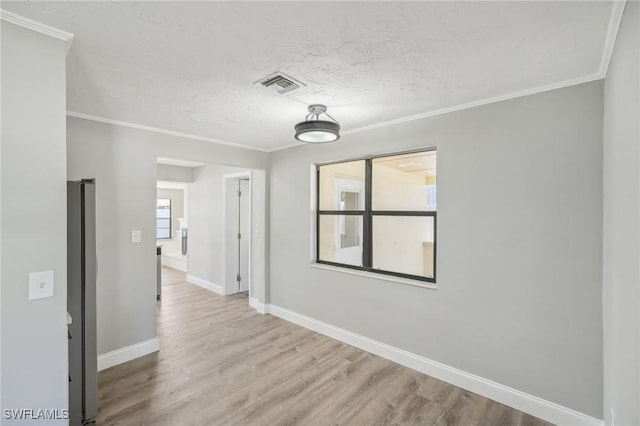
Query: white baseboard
x,y
128,353
174,262
216,288
530,404
262,308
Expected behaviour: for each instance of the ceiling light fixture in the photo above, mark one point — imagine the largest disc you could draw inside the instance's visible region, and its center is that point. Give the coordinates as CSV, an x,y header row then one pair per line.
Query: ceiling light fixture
x,y
314,130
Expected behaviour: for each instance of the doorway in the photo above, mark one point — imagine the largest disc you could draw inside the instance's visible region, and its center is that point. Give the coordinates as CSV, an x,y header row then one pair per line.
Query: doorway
x,y
237,224
172,223
244,235
348,229
215,257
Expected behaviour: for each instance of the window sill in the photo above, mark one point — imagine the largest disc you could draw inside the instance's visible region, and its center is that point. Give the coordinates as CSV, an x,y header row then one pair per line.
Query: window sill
x,y
373,275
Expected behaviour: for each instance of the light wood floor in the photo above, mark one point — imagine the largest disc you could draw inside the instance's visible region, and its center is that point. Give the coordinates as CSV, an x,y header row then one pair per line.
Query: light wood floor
x,y
172,276
222,363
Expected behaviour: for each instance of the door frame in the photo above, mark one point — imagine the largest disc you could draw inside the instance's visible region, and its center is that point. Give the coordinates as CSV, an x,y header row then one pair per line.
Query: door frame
x,y
244,229
344,184
230,218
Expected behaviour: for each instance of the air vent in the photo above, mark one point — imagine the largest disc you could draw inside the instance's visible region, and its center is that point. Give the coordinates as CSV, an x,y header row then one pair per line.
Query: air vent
x,y
281,82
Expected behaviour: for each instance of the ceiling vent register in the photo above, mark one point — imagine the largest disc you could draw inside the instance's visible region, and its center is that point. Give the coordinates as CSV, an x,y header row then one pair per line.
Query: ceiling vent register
x,y
281,82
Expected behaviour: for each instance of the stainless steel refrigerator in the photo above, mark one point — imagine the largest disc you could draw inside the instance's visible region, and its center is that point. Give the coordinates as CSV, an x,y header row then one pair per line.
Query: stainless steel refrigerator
x,y
81,302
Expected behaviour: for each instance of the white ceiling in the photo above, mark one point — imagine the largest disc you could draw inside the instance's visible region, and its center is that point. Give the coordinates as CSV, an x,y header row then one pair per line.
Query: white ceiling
x,y
189,67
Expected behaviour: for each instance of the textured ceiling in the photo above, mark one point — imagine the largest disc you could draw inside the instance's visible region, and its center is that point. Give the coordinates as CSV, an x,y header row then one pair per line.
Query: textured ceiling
x,y
190,66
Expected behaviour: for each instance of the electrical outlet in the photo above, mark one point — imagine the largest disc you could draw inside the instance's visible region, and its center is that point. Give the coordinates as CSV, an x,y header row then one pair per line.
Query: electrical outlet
x,y
40,285
136,236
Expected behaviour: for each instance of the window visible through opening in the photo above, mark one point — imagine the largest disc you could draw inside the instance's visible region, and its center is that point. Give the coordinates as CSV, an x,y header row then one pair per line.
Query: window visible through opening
x,y
163,219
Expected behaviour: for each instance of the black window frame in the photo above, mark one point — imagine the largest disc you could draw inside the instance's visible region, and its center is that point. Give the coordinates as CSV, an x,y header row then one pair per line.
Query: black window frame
x,y
367,219
170,237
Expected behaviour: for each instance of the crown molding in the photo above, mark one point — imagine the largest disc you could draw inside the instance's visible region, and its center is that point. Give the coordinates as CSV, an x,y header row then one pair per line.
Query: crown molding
x,y
291,145
38,27
468,105
159,130
613,27
481,102
612,34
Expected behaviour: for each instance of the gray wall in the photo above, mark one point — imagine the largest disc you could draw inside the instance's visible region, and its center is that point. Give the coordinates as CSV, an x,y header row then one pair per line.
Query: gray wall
x,y
259,238
34,220
519,246
177,206
621,286
123,161
175,173
206,216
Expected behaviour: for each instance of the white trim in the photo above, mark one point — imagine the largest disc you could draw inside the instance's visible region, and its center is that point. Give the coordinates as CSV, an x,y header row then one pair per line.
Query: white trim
x,y
610,41
313,216
522,401
255,303
128,353
375,276
159,130
235,175
169,184
166,161
216,288
383,153
228,241
481,102
433,113
291,145
250,238
38,27
174,262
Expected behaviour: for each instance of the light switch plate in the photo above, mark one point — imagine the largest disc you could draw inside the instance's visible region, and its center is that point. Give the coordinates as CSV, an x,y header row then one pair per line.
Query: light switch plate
x,y
136,236
40,285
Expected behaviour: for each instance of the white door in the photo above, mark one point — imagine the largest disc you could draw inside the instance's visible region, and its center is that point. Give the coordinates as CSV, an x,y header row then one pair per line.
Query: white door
x,y
244,234
348,229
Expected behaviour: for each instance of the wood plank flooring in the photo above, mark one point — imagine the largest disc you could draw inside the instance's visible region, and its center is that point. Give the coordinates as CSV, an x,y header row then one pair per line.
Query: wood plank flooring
x,y
172,276
221,363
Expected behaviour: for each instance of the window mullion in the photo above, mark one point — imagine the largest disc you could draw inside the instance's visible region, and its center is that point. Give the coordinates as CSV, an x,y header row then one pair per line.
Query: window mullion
x,y
367,248
317,213
435,243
